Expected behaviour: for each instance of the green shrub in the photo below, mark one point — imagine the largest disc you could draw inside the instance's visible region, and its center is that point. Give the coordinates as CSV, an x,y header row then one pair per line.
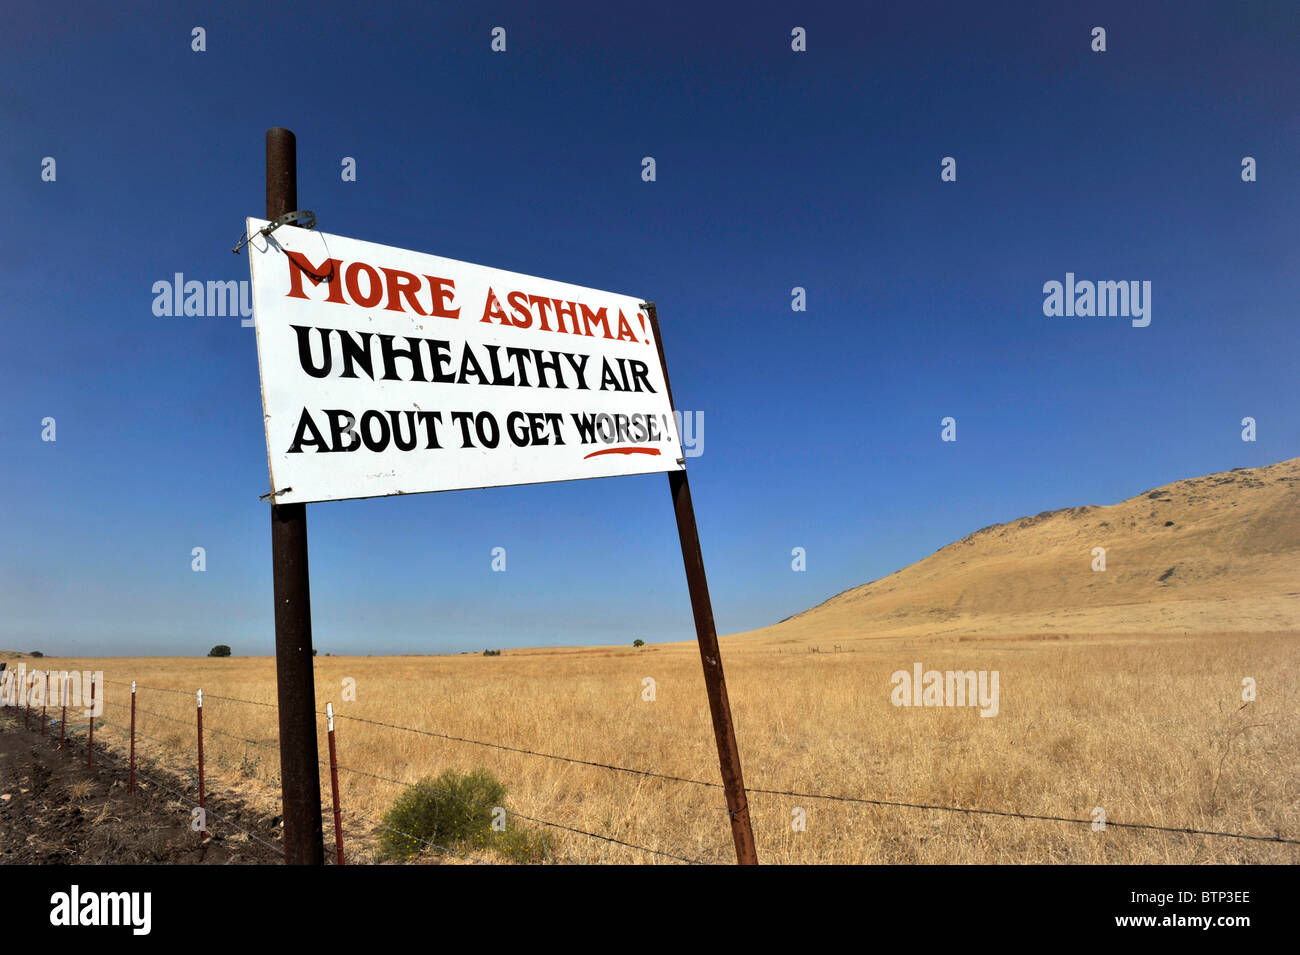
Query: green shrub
x,y
638,642
220,650
518,844
455,811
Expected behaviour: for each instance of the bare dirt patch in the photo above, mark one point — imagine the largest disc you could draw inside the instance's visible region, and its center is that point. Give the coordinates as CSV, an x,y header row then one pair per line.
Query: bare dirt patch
x,y
53,809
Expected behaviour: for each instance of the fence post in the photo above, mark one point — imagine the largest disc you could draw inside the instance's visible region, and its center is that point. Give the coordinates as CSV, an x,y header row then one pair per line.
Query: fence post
x,y
203,814
44,699
63,720
90,746
334,786
130,786
27,695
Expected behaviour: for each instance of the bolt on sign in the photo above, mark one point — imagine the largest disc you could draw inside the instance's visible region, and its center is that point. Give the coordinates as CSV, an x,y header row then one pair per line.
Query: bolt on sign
x,y
386,371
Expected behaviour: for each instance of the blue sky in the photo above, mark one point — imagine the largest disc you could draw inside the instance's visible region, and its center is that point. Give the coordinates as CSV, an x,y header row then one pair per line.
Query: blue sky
x,y
775,169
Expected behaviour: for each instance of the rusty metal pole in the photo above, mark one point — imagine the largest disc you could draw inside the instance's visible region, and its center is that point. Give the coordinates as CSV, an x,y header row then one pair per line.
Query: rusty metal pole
x,y
715,682
90,746
130,786
63,719
334,787
203,806
295,679
44,700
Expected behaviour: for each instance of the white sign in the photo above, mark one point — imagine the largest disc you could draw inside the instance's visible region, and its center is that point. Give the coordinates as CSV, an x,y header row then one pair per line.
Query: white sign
x,y
386,371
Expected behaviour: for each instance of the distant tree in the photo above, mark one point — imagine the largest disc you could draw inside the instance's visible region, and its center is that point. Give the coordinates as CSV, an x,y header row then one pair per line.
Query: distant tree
x,y
638,642
220,650
313,652
36,653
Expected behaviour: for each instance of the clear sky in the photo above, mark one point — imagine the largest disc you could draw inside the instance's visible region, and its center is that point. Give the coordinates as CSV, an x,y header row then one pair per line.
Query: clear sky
x,y
775,169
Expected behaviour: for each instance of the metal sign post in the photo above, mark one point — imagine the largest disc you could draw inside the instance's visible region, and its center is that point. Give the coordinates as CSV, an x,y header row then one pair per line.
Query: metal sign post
x,y
715,682
295,678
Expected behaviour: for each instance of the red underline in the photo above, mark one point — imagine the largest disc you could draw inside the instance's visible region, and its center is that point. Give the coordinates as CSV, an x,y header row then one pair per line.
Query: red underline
x,y
621,451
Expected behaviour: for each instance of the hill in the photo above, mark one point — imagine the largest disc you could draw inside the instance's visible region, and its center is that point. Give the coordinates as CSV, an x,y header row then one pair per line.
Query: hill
x,y
1213,553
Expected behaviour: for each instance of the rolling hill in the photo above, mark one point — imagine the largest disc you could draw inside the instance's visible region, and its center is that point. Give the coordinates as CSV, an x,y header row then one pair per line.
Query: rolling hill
x,y
1213,553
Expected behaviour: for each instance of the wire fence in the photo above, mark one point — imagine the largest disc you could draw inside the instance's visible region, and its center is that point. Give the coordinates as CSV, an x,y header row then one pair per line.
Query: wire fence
x,y
23,698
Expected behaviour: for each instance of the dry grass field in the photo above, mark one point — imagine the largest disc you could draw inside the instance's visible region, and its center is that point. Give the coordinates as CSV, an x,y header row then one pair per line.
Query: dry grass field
x,y
1120,689
1152,729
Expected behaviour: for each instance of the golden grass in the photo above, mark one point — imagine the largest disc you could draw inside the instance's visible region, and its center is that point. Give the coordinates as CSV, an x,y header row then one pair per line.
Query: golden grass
x,y
1153,730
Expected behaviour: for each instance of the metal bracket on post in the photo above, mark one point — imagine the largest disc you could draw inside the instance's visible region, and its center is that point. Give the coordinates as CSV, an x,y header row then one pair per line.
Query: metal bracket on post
x,y
652,313
289,218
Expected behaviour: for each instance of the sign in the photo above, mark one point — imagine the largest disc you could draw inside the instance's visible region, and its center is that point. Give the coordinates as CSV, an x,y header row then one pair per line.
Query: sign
x,y
386,371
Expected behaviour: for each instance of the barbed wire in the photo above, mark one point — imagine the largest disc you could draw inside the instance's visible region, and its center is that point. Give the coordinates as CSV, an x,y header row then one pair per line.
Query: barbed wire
x,y
405,784
1023,815
206,729
512,812
529,752
859,800
432,845
538,821
206,696
214,756
161,689
209,813
826,796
